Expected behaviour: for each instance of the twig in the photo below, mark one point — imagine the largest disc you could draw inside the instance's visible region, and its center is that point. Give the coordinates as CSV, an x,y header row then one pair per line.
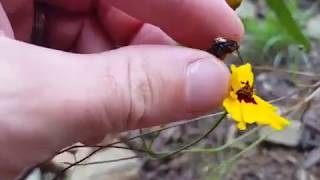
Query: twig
x,y
102,162
312,95
143,141
76,163
240,57
284,97
306,100
129,148
266,68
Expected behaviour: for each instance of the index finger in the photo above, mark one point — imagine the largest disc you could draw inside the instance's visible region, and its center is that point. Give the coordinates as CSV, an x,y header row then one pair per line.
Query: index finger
x,y
192,23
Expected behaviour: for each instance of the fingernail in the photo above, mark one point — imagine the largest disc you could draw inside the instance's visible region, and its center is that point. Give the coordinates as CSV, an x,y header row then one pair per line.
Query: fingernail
x,y
207,84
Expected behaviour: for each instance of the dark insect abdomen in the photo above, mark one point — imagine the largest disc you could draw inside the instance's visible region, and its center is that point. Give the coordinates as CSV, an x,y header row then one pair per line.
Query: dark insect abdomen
x,y
221,47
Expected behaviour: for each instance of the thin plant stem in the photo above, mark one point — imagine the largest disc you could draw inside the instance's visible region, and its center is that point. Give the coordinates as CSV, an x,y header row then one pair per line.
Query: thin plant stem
x,y
76,163
144,144
267,68
241,153
240,57
103,162
130,148
138,136
214,126
226,145
153,155
254,144
166,128
153,139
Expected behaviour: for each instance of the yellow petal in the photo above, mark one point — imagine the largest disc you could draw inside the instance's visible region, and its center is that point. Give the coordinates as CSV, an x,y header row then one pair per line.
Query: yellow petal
x,y
262,113
240,75
274,120
270,115
242,126
264,103
233,108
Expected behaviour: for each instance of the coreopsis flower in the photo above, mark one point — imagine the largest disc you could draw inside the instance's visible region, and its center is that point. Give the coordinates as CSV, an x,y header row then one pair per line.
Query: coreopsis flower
x,y
245,107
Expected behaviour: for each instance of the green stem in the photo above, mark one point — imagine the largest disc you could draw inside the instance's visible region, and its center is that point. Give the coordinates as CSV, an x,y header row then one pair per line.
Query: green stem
x,y
153,139
214,126
106,161
223,165
144,144
254,144
225,146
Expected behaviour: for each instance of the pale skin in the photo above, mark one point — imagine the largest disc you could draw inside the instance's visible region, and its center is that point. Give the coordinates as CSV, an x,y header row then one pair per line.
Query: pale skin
x,y
50,99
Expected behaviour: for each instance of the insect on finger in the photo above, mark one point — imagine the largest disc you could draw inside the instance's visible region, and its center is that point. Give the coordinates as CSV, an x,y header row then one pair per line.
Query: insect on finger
x,y
221,47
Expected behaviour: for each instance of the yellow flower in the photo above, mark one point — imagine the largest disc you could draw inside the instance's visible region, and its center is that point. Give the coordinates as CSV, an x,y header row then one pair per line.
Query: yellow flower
x,y
245,106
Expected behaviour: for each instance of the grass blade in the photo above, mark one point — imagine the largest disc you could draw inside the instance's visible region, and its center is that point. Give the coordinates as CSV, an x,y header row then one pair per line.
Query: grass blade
x,y
284,15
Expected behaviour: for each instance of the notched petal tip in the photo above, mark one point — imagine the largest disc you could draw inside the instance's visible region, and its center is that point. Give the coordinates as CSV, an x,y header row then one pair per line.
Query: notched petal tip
x,y
242,126
233,68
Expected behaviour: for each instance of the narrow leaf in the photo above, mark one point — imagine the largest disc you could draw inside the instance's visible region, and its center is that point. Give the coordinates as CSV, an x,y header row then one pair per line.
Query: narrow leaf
x,y
284,15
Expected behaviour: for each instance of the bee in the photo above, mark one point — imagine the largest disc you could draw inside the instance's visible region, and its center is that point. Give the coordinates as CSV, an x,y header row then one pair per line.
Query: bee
x,y
222,47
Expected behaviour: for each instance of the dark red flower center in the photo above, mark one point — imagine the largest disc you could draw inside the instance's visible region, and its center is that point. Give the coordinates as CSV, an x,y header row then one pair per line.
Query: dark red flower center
x,y
246,93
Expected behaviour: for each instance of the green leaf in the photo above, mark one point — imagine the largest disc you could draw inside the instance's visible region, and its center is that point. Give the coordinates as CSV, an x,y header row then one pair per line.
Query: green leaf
x,y
285,18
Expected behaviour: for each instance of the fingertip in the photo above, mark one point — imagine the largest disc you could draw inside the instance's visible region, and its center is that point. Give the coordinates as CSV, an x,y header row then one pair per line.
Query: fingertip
x,y
207,84
235,28
192,23
217,19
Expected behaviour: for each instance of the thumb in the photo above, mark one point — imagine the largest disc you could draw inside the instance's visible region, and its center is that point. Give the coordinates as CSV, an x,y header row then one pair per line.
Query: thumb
x,y
127,88
53,99
142,86
151,85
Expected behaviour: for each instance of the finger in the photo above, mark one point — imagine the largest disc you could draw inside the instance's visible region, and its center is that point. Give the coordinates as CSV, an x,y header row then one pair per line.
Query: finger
x,y
5,25
20,14
119,26
92,38
150,34
84,34
78,33
62,31
123,89
194,23
124,29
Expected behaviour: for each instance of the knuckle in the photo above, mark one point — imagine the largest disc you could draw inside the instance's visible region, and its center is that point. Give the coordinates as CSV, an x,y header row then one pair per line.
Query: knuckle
x,y
141,91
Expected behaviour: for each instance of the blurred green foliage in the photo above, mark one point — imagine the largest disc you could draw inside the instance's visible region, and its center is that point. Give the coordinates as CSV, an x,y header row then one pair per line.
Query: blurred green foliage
x,y
277,34
285,17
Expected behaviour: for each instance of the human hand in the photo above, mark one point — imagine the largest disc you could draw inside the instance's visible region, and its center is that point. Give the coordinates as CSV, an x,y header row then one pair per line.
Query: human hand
x,y
50,99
